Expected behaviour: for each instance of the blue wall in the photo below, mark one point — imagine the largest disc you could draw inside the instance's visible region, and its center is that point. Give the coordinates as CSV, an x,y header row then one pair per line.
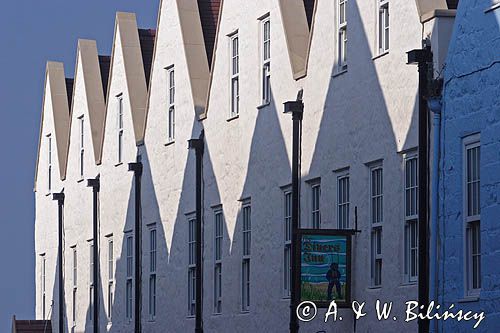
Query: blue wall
x,y
471,105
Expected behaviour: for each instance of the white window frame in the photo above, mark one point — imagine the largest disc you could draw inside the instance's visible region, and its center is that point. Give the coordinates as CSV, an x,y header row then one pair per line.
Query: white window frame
x,y
315,202
119,122
383,33
376,219
246,255
234,49
265,27
410,190
111,277
171,103
376,256
81,122
43,282
343,200
129,271
74,284
49,163
218,246
287,246
342,35
152,272
472,219
191,265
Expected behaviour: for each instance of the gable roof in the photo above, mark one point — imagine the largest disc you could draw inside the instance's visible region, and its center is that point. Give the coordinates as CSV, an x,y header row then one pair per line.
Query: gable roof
x,y
136,57
104,64
209,18
92,78
57,85
31,326
147,41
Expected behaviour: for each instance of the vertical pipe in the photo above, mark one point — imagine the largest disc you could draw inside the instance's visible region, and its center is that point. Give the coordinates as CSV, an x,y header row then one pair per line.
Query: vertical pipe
x,y
61,282
199,235
435,106
423,197
95,193
138,252
198,146
60,205
295,280
137,169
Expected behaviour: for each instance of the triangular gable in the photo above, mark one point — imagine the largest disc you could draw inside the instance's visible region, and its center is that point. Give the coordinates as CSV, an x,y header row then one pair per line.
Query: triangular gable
x,y
89,64
56,84
126,29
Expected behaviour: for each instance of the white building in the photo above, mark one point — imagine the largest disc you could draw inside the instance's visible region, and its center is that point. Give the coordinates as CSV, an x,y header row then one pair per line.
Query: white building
x,y
226,68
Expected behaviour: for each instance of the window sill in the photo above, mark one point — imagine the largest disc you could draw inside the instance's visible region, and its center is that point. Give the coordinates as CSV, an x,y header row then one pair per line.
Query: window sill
x,y
492,8
190,317
245,313
374,287
118,164
48,194
263,105
409,284
171,142
380,55
233,118
217,314
80,180
340,72
469,299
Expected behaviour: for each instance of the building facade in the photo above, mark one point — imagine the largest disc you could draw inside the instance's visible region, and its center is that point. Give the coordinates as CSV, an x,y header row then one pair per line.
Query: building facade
x,y
224,69
469,204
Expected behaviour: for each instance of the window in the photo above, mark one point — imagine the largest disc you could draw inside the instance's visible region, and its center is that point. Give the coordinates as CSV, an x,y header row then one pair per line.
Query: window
x,y
49,163
315,203
74,283
120,128
110,278
82,149
343,201
191,266
411,218
171,103
91,280
342,35
376,204
152,274
472,208
383,26
218,261
266,60
130,268
376,189
376,269
235,72
287,257
245,268
43,284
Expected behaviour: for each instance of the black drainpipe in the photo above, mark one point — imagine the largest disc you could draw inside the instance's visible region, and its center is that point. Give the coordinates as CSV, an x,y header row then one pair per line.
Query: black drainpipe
x,y
296,108
59,197
198,146
95,184
137,169
423,58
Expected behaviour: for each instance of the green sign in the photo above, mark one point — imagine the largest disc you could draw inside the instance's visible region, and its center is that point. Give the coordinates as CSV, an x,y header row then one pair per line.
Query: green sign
x,y
325,266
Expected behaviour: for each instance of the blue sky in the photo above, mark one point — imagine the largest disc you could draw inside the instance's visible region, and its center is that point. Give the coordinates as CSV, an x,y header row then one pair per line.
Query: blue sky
x,y
32,32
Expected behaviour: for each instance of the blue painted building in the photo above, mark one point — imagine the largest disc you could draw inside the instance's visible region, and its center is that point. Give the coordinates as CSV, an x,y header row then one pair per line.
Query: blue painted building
x,y
469,199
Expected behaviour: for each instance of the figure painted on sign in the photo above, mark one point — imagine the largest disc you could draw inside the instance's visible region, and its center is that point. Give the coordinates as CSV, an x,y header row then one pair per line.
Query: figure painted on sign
x,y
333,277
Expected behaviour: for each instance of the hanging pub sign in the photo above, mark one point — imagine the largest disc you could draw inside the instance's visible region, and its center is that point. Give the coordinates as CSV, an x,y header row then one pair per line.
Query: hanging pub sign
x,y
325,266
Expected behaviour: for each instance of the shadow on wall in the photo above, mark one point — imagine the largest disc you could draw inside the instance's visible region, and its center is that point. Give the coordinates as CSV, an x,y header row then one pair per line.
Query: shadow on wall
x,y
355,128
